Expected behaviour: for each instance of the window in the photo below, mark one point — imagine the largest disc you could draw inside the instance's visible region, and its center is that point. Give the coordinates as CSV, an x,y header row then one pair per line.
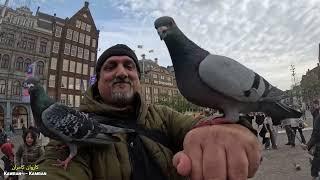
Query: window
x,y
58,31
147,90
148,97
23,43
63,99
85,84
169,79
91,71
83,25
156,99
79,67
52,81
65,65
77,84
16,88
154,76
162,77
86,54
31,43
94,42
64,82
81,38
169,92
43,46
88,28
71,83
27,62
88,38
146,80
76,101
75,36
72,66
55,48
78,23
73,50
69,34
67,48
70,100
53,64
155,90
80,52
19,64
3,86
85,69
40,67
93,56
5,61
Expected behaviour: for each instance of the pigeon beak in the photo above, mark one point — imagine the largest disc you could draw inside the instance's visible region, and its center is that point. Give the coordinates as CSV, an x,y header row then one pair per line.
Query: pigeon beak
x,y
160,35
162,31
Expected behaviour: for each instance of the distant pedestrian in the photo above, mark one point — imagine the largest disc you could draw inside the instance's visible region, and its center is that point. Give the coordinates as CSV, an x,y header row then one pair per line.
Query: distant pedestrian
x,y
23,129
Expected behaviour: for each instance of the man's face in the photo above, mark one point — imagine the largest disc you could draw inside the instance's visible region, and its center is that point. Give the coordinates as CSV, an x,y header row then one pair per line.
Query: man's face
x,y
119,81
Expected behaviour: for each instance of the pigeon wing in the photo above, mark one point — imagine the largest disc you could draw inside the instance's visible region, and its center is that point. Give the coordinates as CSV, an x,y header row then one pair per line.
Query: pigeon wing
x,y
233,79
72,125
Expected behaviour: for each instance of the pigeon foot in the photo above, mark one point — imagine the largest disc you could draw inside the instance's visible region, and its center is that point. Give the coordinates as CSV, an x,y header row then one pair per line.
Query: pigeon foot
x,y
64,163
212,121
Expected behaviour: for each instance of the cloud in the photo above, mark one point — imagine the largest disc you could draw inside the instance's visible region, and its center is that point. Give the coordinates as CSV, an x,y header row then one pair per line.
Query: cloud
x,y
266,36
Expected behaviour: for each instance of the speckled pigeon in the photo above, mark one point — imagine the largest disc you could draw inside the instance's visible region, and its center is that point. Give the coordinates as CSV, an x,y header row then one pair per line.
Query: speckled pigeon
x,y
68,125
219,82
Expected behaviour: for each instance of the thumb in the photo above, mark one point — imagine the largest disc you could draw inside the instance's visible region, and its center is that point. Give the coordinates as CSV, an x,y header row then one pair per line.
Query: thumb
x,y
182,163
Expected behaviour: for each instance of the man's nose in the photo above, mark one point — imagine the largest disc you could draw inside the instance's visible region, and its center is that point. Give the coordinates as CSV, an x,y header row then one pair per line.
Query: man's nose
x,y
121,72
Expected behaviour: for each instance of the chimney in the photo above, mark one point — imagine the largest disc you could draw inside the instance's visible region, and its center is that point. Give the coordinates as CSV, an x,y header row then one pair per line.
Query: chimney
x,y
4,10
156,60
86,4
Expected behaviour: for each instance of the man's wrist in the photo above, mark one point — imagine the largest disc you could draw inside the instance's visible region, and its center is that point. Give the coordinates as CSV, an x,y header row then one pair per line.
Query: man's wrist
x,y
221,120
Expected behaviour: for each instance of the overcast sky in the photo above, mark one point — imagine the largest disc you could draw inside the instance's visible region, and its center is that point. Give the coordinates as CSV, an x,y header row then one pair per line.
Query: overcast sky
x,y
266,36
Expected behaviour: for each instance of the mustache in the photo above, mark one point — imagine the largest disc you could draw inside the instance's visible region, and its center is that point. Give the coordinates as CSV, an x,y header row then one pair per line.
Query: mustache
x,y
121,80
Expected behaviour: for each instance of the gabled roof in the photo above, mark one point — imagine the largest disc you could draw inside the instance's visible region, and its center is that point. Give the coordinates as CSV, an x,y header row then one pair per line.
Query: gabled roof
x,y
85,10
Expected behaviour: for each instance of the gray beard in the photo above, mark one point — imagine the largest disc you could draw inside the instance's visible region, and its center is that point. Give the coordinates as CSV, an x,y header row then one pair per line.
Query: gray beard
x,y
122,99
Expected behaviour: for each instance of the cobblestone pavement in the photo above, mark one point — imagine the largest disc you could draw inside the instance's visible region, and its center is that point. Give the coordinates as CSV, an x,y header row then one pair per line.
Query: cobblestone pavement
x,y
280,164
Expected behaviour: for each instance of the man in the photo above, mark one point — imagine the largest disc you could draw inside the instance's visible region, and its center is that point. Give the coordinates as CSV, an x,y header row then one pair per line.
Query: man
x,y
225,151
314,142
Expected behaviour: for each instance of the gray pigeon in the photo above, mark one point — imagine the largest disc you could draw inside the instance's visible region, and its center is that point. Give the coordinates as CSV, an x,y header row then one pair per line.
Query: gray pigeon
x,y
68,125
219,82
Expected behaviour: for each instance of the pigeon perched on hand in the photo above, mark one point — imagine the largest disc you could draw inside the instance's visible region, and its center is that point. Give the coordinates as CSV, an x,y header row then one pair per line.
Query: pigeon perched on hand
x,y
66,124
217,81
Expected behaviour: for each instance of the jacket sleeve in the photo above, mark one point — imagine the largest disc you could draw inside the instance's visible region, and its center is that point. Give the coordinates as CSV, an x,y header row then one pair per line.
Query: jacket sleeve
x,y
315,136
179,125
78,168
19,155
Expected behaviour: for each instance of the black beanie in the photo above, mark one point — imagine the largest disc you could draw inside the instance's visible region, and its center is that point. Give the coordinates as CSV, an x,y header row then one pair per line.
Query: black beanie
x,y
116,50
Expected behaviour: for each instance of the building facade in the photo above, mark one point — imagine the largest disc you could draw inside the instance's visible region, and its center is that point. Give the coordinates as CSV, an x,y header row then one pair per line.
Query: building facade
x,y
73,55
22,42
156,81
64,52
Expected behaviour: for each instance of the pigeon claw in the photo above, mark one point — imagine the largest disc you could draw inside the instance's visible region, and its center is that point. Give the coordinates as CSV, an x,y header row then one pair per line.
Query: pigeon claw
x,y
63,164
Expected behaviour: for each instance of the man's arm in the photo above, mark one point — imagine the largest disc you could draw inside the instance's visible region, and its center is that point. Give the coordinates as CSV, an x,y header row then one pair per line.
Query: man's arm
x,y
178,125
315,136
78,169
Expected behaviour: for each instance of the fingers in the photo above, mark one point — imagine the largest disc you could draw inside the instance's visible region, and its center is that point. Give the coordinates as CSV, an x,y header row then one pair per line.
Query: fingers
x,y
237,163
192,147
182,163
254,158
214,162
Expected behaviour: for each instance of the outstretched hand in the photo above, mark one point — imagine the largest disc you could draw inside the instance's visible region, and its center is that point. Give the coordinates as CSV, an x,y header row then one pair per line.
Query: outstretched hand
x,y
227,151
